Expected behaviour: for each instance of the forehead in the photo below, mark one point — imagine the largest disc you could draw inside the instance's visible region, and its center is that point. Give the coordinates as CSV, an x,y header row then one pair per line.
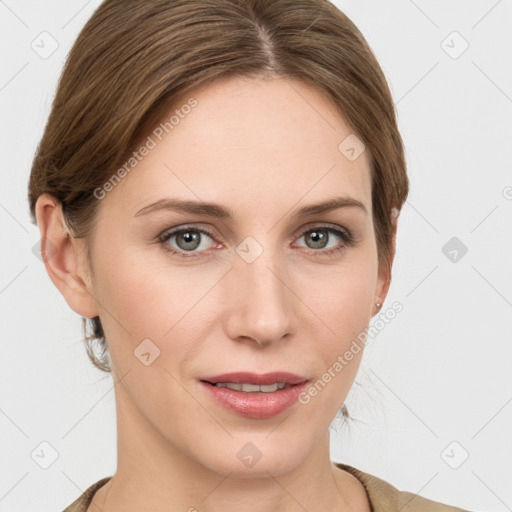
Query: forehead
x,y
247,140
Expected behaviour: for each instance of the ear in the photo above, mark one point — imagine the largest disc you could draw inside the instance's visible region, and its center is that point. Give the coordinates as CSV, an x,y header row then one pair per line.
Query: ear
x,y
384,277
64,257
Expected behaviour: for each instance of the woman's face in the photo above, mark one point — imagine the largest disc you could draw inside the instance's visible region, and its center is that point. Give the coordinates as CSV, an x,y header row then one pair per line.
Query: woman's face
x,y
261,288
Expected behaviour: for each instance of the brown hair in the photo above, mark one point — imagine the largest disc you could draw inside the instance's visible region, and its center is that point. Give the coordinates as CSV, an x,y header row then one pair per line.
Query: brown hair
x,y
133,58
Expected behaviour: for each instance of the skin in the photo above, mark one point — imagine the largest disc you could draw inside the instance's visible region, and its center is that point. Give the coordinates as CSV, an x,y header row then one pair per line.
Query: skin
x,y
262,149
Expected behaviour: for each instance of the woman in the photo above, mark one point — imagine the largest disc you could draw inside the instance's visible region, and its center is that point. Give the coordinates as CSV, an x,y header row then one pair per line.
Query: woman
x,y
217,189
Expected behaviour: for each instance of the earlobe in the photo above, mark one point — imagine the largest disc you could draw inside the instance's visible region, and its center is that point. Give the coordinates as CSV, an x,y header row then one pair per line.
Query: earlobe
x,y
381,292
63,257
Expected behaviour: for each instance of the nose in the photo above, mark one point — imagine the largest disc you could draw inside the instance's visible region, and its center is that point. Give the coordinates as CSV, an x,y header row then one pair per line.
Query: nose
x,y
259,302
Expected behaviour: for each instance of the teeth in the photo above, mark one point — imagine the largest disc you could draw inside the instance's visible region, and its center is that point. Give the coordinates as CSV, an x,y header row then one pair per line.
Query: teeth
x,y
253,388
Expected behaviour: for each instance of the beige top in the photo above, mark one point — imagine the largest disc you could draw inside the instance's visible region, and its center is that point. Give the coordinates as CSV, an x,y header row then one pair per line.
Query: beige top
x,y
383,497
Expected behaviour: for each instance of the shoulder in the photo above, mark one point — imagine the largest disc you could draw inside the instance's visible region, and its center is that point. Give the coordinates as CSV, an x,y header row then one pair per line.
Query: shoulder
x,y
84,500
384,497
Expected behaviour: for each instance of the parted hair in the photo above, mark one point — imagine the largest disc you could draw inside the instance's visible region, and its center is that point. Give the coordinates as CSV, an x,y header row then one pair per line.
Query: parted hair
x,y
133,58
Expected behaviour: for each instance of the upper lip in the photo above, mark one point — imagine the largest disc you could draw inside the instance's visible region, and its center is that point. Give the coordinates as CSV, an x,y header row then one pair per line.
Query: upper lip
x,y
256,378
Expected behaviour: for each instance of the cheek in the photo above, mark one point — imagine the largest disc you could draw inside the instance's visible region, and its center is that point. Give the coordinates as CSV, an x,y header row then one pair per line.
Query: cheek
x,y
344,305
343,295
342,300
348,303
142,296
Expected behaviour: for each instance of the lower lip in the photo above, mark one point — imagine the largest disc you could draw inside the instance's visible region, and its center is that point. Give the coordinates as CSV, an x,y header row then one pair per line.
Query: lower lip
x,y
258,405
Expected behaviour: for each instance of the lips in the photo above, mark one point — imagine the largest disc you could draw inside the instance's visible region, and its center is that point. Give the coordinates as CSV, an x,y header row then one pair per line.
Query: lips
x,y
255,396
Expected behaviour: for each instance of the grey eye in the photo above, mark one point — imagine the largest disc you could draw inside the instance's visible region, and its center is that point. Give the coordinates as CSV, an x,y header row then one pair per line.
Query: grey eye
x,y
318,237
188,240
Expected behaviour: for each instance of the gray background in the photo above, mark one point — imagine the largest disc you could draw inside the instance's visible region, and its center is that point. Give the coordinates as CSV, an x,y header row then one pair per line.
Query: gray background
x,y
439,373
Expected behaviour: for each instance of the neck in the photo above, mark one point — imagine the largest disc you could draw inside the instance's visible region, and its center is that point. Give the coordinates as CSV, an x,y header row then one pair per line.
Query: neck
x,y
153,474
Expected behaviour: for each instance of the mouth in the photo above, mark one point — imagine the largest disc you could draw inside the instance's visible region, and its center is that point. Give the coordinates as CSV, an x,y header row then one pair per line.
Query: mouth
x,y
255,396
252,388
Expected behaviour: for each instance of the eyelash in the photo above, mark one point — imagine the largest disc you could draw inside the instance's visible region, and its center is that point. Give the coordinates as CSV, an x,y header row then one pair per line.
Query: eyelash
x,y
345,235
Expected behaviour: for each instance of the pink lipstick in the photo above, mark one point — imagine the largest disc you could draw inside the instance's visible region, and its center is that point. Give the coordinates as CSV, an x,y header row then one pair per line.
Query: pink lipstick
x,y
255,396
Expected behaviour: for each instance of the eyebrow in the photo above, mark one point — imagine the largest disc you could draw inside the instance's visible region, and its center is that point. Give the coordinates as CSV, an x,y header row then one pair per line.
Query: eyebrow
x,y
221,212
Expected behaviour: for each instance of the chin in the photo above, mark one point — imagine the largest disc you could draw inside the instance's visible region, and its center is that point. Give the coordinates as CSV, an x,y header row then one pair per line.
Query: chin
x,y
255,458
